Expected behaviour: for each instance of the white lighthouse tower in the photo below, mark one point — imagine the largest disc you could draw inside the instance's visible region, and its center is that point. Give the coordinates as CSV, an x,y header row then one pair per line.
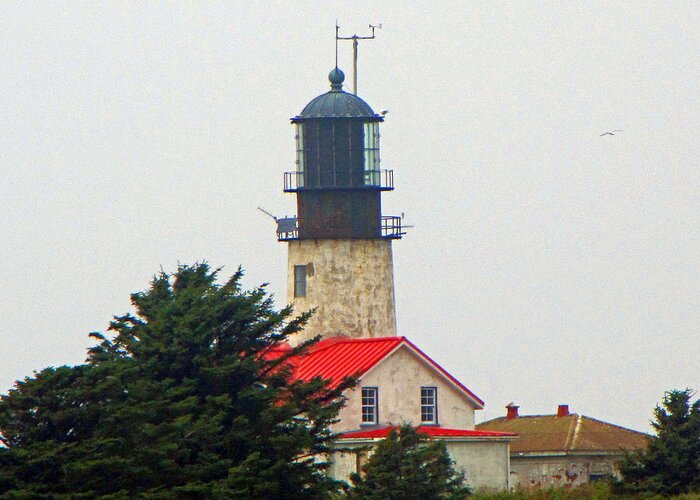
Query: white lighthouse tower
x,y
339,246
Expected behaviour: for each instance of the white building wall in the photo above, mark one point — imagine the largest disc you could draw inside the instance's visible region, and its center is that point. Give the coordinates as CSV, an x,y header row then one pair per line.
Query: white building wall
x,y
345,461
399,378
484,463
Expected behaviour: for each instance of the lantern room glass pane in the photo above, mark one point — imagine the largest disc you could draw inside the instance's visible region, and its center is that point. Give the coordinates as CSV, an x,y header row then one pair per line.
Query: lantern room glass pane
x,y
371,154
300,155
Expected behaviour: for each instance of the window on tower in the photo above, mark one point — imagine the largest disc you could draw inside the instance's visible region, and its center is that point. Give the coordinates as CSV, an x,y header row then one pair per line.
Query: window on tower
x,y
300,281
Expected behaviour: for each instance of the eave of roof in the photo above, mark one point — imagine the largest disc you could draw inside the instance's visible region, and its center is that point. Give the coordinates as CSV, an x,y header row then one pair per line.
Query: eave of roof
x,y
446,374
431,431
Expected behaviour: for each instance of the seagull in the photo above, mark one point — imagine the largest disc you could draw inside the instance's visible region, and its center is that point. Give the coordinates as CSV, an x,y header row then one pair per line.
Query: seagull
x,y
611,132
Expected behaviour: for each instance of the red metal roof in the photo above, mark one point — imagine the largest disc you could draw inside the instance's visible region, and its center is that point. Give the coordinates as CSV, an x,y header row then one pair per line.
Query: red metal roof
x,y
339,357
429,430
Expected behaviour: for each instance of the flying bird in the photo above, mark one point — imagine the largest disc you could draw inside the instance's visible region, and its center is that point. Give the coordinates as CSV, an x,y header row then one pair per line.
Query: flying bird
x,y
611,132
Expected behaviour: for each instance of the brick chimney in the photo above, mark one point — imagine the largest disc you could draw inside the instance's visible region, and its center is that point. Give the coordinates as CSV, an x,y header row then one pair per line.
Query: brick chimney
x,y
562,410
512,409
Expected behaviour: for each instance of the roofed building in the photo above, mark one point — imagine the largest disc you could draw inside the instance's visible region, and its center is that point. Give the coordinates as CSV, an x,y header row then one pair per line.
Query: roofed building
x,y
399,383
563,449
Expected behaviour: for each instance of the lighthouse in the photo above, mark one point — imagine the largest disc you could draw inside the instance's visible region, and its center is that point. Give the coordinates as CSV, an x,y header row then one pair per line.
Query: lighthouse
x,y
340,260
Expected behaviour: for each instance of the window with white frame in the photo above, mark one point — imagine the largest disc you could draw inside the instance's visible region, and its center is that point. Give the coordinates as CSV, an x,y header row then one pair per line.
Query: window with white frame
x,y
428,405
370,406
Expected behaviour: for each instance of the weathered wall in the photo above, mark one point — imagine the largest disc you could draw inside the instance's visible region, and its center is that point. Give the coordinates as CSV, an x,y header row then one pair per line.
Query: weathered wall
x,y
399,378
349,282
556,471
345,461
484,463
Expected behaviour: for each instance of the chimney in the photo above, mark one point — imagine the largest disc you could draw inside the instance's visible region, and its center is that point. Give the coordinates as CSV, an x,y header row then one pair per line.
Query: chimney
x,y
512,409
562,410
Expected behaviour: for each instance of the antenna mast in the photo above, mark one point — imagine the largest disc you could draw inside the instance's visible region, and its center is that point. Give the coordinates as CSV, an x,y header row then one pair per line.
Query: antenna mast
x,y
354,39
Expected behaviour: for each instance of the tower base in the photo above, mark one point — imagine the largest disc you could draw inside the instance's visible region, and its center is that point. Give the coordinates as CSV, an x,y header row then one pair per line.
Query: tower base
x,y
349,283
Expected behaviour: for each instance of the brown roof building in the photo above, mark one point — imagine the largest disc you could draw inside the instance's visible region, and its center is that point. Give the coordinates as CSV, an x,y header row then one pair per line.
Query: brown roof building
x,y
564,449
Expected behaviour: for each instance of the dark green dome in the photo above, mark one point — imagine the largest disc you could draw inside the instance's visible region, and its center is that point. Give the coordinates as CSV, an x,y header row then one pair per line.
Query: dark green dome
x,y
337,103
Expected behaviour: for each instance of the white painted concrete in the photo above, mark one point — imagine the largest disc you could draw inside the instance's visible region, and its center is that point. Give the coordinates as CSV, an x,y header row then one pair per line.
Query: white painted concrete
x,y
399,378
350,284
483,461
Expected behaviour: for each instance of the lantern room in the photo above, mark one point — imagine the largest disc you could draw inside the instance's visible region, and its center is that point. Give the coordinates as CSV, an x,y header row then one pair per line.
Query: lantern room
x,y
338,179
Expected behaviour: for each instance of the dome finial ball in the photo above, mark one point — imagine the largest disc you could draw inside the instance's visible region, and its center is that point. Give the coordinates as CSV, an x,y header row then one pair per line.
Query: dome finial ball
x,y
336,76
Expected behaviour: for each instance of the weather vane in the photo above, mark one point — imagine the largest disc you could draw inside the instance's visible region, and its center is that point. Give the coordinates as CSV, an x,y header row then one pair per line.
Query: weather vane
x,y
355,39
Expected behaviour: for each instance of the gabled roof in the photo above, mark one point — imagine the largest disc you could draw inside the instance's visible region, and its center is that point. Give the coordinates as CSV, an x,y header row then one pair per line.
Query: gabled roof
x,y
566,434
339,357
431,431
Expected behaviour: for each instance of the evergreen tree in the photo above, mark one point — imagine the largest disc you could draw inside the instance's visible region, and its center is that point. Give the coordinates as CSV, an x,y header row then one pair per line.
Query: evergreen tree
x,y
671,463
407,466
188,397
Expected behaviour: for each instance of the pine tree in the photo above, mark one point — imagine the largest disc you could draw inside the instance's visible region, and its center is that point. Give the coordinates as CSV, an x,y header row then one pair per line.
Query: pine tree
x,y
407,466
183,398
671,463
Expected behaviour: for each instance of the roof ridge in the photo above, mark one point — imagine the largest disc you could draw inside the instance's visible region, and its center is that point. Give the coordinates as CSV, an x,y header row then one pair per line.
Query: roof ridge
x,y
577,431
570,435
614,425
319,346
521,417
330,342
364,339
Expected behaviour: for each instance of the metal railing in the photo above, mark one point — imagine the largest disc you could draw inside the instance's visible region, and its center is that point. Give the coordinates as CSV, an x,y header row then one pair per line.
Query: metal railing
x,y
293,181
382,179
390,227
287,229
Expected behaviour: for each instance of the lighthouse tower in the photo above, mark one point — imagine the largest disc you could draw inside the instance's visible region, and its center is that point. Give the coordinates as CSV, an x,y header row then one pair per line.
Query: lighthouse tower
x,y
339,245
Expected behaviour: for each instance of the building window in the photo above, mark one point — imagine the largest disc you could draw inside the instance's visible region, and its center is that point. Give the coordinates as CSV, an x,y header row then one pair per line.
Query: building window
x,y
428,405
300,281
370,413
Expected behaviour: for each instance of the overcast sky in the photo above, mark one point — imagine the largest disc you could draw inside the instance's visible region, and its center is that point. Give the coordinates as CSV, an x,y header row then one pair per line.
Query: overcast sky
x,y
547,264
